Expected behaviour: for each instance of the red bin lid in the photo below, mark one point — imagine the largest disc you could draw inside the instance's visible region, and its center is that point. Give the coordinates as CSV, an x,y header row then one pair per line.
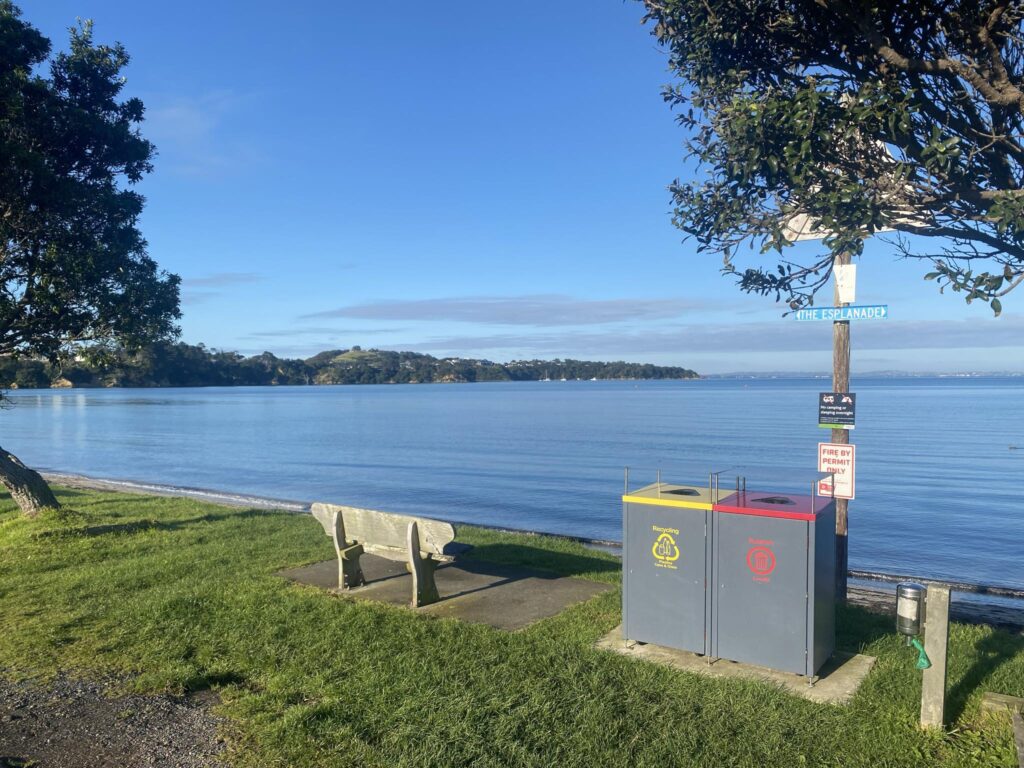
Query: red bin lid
x,y
788,506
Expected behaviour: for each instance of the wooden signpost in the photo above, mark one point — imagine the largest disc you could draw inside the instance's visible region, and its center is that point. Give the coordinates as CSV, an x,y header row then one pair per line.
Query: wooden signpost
x,y
841,383
803,227
844,292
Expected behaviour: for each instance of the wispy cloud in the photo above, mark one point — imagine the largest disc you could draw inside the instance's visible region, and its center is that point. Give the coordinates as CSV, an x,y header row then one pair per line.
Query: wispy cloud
x,y
192,133
547,310
222,279
783,336
200,289
318,331
191,298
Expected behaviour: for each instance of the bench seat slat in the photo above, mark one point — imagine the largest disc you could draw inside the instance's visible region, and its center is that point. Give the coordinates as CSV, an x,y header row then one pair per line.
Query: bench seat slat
x,y
386,533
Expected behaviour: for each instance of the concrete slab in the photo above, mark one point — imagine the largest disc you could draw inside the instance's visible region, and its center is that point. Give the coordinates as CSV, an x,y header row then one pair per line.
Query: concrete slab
x,y
838,680
1000,702
505,597
325,574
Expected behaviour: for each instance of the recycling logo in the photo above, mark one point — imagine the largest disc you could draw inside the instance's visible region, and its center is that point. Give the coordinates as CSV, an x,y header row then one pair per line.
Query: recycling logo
x,y
665,551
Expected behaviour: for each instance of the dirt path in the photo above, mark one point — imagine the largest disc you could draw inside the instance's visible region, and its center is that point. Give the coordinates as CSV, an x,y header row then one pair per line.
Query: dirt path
x,y
76,724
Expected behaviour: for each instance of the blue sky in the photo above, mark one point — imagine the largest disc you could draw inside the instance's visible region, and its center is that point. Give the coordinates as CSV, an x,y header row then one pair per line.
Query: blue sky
x,y
470,179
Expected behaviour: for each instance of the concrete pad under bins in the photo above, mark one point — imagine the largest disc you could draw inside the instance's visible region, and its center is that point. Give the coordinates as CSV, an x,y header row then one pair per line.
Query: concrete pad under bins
x,y
837,681
505,597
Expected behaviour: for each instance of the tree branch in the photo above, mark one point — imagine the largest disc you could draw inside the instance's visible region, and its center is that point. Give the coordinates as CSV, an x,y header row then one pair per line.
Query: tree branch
x,y
1009,95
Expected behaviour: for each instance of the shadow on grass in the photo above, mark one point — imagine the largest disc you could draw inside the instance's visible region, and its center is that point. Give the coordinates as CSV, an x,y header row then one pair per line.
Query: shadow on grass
x,y
857,628
70,493
60,493
562,563
993,650
122,500
501,574
108,502
206,682
136,526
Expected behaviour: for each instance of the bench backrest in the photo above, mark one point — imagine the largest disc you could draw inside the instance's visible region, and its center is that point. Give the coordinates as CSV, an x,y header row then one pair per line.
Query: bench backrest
x,y
384,532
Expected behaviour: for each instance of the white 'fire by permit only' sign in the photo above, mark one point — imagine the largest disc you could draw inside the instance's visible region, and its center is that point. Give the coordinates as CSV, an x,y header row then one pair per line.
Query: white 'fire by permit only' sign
x,y
837,458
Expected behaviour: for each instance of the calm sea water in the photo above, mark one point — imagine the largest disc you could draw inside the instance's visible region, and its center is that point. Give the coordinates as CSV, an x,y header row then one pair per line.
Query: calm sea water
x,y
940,492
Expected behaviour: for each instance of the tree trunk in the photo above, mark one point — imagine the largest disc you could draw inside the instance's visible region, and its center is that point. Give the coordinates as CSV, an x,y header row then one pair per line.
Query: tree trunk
x,y
27,487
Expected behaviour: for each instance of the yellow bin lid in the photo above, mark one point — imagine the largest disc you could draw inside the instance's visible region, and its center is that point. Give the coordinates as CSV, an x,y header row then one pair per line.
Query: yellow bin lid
x,y
669,495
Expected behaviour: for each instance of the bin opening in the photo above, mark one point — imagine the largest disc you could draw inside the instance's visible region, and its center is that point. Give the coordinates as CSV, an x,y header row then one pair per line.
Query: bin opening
x,y
684,492
774,500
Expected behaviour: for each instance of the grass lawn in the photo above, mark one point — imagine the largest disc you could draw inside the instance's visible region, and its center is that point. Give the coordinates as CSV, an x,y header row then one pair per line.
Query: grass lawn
x,y
183,596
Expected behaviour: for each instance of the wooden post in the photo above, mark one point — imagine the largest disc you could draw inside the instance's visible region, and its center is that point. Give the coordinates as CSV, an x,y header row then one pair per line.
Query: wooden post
x,y
841,383
1018,736
936,638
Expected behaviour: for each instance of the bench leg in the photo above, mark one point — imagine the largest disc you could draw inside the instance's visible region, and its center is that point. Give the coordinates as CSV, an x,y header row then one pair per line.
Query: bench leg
x,y
350,574
424,588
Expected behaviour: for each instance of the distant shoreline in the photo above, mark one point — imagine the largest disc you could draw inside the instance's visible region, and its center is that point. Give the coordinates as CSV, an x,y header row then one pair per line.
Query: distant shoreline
x,y
824,378
167,364
15,388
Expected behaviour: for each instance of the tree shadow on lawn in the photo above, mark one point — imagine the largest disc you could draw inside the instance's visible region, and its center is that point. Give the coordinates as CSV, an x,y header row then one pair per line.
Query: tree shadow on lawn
x,y
121,500
136,526
60,493
562,563
109,501
993,650
68,493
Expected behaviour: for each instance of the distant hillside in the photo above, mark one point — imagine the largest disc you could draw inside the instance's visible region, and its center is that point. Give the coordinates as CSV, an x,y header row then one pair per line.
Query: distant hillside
x,y
186,365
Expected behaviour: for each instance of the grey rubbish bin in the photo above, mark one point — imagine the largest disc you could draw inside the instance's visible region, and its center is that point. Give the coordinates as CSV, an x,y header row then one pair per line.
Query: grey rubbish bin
x,y
666,568
774,580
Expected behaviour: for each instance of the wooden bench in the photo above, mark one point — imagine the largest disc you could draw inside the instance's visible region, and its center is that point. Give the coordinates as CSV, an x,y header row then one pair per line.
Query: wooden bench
x,y
417,541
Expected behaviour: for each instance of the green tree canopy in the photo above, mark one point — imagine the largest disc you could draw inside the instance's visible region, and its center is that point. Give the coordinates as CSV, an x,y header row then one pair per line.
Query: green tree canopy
x,y
73,265
854,117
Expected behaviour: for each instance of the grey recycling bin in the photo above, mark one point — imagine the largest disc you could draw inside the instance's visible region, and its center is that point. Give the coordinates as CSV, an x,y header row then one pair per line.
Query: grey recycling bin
x,y
666,568
773,602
